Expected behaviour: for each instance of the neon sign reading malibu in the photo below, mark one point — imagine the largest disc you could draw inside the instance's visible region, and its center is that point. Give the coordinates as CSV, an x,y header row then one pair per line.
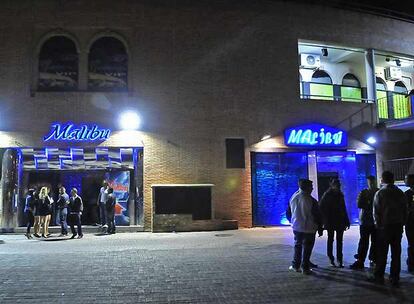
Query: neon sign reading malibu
x,y
71,132
315,135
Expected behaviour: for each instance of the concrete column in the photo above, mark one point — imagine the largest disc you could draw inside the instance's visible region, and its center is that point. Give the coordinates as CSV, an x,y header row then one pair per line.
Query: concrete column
x,y
370,75
83,71
9,188
313,172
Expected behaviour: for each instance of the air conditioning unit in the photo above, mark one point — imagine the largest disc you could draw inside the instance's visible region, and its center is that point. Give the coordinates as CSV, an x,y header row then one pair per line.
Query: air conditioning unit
x,y
393,73
310,61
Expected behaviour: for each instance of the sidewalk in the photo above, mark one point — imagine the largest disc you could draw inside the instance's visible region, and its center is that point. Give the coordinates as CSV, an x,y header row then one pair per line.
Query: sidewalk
x,y
241,266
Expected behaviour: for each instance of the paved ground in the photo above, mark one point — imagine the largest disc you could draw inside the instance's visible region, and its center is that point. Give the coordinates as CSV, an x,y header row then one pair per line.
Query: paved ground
x,y
245,266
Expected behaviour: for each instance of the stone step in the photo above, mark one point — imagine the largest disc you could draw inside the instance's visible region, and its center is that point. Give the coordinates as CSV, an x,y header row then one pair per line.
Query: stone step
x,y
85,229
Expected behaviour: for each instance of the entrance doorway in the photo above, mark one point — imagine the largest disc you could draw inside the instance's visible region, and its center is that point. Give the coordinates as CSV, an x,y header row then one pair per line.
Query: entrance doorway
x,y
85,169
275,178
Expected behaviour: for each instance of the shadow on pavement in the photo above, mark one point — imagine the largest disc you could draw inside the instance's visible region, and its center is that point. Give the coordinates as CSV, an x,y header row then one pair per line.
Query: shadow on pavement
x,y
357,279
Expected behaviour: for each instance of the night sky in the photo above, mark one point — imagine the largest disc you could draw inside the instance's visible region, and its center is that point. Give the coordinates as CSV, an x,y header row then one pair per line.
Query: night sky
x,y
397,9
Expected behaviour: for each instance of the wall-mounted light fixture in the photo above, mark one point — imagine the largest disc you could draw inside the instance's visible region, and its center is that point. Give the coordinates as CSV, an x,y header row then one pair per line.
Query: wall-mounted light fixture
x,y
129,121
371,140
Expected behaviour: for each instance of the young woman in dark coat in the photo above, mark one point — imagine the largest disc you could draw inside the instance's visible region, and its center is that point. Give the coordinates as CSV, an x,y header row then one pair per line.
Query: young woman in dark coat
x,y
335,219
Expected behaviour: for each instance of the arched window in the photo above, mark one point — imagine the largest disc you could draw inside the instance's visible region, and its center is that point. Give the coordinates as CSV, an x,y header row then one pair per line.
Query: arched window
x,y
400,101
380,84
351,89
321,86
321,77
58,65
108,65
350,80
382,99
400,87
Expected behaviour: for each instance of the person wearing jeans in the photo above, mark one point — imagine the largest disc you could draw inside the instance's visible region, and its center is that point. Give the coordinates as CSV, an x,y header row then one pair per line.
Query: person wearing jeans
x,y
62,205
303,213
76,208
103,196
335,220
110,211
366,225
390,215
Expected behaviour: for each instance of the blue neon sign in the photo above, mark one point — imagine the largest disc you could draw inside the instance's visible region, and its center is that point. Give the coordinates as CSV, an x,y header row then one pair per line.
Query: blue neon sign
x,y
71,132
315,135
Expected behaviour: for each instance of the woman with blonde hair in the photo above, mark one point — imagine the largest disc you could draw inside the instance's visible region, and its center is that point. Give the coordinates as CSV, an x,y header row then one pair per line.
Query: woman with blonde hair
x,y
45,212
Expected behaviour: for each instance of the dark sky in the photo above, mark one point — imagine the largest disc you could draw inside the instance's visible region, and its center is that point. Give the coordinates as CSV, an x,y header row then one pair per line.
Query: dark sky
x,y
403,9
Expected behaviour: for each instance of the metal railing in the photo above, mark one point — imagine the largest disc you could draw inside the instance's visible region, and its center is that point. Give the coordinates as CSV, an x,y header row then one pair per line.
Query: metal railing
x,y
335,98
395,106
400,167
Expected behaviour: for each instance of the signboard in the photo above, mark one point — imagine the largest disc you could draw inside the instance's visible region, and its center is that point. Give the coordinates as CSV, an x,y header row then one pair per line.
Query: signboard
x,y
71,132
120,181
316,135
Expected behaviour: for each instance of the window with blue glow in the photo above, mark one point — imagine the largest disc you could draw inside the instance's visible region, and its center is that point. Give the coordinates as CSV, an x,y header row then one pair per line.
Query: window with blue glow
x,y
274,179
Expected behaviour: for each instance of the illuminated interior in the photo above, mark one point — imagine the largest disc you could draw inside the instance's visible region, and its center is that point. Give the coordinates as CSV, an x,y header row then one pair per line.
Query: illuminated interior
x,y
336,73
275,178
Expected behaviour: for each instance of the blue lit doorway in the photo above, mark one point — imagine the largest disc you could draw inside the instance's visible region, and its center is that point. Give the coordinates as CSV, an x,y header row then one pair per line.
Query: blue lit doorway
x,y
275,177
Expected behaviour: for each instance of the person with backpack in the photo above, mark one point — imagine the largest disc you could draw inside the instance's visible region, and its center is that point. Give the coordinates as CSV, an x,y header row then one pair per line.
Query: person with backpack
x,y
366,225
409,226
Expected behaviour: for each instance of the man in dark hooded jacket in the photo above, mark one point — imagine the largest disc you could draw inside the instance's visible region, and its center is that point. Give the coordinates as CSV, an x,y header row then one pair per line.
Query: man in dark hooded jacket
x,y
335,219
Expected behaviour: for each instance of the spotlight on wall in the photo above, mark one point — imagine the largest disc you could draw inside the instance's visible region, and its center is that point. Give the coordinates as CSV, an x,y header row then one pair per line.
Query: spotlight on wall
x,y
324,52
398,62
265,137
129,121
371,140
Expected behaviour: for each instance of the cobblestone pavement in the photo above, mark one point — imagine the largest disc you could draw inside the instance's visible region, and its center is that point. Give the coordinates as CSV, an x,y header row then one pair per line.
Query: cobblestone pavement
x,y
244,266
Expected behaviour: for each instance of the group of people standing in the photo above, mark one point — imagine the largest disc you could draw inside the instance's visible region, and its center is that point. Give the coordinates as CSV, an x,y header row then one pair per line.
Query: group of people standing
x,y
39,207
383,214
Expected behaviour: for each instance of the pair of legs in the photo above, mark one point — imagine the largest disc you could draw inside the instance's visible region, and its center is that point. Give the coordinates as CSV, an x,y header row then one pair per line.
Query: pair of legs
x,y
30,222
366,233
63,213
339,244
110,220
75,220
409,232
37,224
102,213
46,222
304,243
389,236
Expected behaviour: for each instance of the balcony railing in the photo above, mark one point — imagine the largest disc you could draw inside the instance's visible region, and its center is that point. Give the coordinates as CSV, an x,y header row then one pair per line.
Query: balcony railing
x,y
400,167
394,106
335,98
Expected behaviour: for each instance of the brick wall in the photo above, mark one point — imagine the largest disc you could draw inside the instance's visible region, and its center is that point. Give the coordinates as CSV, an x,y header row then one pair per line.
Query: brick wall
x,y
199,72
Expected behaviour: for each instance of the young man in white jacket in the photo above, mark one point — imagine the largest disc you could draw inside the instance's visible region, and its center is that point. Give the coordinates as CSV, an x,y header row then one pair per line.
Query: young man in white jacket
x,y
303,213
